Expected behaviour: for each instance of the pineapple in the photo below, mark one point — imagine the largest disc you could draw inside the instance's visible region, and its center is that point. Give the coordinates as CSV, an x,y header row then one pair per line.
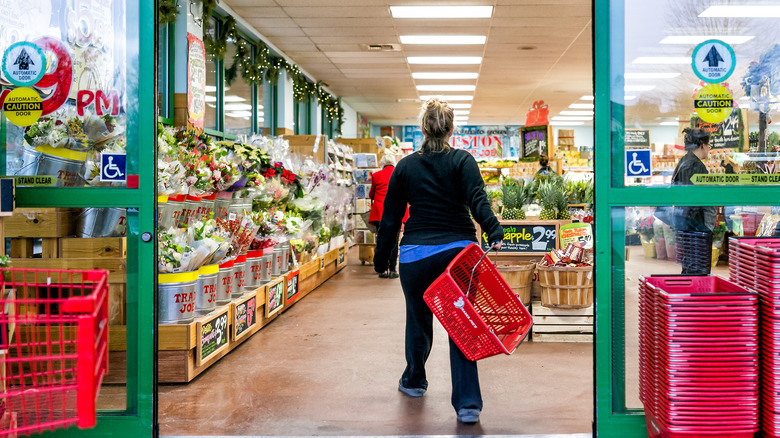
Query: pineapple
x,y
562,203
511,194
547,194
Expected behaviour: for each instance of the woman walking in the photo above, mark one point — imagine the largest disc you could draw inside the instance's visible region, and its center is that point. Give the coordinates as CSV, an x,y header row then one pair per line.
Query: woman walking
x,y
442,186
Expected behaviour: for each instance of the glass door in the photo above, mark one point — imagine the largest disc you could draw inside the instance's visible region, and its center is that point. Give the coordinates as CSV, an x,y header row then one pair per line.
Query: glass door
x,y
82,148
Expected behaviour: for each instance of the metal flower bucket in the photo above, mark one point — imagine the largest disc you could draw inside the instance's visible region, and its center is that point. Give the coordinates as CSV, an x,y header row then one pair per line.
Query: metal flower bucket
x,y
30,160
190,210
102,222
239,275
65,165
224,282
254,262
266,264
174,209
285,262
206,300
222,205
176,297
207,205
276,266
237,208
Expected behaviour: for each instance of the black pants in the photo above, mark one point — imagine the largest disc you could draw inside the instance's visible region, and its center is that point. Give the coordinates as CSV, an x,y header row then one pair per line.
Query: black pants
x,y
415,279
391,264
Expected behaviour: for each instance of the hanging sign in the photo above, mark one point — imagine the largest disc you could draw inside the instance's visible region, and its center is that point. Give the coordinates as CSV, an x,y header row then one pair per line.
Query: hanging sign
x,y
713,61
23,106
713,103
212,336
537,114
24,63
196,79
534,140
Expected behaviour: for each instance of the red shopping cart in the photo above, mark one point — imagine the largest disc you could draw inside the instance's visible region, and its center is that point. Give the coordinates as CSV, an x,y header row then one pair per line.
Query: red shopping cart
x,y
53,348
477,307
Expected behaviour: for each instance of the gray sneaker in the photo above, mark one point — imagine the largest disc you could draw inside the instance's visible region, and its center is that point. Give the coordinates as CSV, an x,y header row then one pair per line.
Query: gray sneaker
x,y
468,416
392,274
411,392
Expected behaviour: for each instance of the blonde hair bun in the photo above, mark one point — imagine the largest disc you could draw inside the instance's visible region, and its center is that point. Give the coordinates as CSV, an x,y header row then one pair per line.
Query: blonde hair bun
x,y
437,122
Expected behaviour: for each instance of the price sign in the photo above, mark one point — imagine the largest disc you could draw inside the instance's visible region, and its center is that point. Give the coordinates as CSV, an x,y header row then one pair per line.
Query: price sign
x,y
245,316
526,237
274,297
342,255
636,137
534,140
293,282
212,336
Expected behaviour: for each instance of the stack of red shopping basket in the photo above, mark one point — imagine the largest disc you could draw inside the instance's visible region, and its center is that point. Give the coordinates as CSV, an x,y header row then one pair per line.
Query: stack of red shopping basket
x,y
755,263
698,344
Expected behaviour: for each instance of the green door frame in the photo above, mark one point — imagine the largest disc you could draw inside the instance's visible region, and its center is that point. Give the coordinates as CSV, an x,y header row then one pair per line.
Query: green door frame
x,y
611,196
139,419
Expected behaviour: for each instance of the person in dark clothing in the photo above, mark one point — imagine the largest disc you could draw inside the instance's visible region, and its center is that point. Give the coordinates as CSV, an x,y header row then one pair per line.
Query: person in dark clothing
x,y
545,169
379,182
694,218
441,185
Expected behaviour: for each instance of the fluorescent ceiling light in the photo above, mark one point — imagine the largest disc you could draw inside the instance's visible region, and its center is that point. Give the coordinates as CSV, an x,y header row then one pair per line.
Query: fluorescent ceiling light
x,y
443,39
581,106
462,118
586,97
629,97
569,119
441,11
669,123
742,11
232,98
211,98
461,112
460,105
554,123
697,39
237,106
211,89
662,60
239,114
443,60
447,98
576,113
444,75
651,75
446,87
638,87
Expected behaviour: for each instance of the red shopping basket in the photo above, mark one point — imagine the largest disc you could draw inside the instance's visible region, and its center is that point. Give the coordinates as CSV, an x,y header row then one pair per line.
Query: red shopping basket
x,y
53,348
477,307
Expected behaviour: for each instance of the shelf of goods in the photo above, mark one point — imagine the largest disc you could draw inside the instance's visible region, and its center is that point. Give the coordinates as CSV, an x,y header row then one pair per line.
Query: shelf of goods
x,y
366,164
261,226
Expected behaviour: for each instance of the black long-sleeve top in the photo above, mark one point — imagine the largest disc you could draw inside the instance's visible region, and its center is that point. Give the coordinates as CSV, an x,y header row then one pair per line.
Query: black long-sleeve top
x,y
440,189
692,218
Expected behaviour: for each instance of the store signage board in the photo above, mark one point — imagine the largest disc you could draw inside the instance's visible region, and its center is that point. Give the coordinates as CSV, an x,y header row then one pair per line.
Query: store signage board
x,y
293,286
637,138
274,296
244,316
24,63
526,237
342,255
713,103
740,179
638,163
534,140
212,335
728,134
713,61
196,81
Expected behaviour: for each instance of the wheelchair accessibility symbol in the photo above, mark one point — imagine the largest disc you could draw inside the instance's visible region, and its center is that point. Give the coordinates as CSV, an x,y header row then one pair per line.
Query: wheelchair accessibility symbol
x,y
638,163
113,167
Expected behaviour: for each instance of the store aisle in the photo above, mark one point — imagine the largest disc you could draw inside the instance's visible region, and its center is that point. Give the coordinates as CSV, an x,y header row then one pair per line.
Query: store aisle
x,y
330,366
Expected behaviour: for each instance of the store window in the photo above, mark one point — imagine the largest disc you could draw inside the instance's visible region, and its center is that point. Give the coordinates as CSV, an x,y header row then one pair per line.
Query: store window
x,y
238,102
212,78
263,116
164,58
695,65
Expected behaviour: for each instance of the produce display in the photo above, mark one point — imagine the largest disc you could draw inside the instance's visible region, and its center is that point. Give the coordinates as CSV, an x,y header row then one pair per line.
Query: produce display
x,y
574,255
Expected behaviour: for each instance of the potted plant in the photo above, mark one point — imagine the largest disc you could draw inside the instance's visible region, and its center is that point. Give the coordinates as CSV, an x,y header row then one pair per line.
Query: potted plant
x,y
660,241
645,229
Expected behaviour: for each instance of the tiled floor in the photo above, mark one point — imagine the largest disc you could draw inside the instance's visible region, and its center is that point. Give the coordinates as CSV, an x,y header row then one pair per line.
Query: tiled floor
x,y
330,366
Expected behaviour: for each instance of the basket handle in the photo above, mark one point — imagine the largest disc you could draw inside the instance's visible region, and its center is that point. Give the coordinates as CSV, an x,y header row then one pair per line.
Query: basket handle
x,y
471,278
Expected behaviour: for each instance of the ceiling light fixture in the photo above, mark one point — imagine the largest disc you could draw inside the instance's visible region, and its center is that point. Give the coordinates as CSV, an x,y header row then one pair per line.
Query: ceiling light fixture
x,y
446,87
444,75
576,113
741,11
211,98
428,12
697,39
239,114
581,106
554,123
638,87
586,97
448,98
459,105
651,75
443,60
569,119
669,123
211,89
461,112
443,39
237,107
629,97
232,98
662,60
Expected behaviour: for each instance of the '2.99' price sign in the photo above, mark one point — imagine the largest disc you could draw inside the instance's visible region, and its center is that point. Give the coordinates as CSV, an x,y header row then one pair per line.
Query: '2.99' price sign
x,y
526,237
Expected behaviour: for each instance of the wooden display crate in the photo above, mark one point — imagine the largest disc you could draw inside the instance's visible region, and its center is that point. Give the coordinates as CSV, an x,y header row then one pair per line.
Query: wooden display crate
x,y
74,247
41,222
561,325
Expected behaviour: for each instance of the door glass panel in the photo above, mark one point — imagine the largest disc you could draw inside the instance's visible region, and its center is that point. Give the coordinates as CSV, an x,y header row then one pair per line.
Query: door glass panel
x,y
668,75
163,56
73,80
213,96
238,95
653,247
262,116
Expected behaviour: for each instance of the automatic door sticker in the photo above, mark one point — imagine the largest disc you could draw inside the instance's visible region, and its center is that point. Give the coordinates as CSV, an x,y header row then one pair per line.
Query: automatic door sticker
x,y
713,61
23,106
713,103
24,64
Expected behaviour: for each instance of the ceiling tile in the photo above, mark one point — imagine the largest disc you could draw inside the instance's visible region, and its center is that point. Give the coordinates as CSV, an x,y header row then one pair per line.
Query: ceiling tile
x,y
272,32
338,11
235,4
261,23
260,12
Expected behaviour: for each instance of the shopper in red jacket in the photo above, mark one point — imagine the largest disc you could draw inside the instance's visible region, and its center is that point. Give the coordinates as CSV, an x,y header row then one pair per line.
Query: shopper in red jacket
x,y
379,182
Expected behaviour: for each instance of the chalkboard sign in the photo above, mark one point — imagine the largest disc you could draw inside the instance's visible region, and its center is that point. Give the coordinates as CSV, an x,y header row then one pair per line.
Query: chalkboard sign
x,y
212,335
637,137
293,282
728,134
245,316
534,140
527,237
274,297
342,255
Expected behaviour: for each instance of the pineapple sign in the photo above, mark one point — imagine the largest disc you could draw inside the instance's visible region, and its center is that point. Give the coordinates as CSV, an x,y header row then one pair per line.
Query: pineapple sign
x,y
527,237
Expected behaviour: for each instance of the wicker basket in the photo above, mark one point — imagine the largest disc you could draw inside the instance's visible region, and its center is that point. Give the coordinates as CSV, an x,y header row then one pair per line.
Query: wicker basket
x,y
566,287
519,276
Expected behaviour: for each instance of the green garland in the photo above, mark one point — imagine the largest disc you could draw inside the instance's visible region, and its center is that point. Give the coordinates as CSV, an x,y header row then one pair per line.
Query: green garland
x,y
167,11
